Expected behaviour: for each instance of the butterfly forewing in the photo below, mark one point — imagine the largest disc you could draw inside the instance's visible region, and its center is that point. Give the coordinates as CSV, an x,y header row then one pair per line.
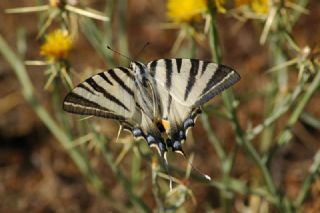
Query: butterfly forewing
x,y
109,94
192,82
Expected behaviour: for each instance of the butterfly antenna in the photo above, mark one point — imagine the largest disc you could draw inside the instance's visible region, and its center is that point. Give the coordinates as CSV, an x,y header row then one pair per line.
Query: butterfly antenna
x,y
144,46
194,168
130,59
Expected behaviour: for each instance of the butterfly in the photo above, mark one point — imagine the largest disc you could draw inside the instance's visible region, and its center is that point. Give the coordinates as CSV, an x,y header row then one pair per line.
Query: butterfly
x,y
159,101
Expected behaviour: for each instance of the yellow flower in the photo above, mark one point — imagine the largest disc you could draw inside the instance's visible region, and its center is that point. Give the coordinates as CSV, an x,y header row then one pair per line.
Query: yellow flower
x,y
219,5
57,45
257,6
260,6
185,10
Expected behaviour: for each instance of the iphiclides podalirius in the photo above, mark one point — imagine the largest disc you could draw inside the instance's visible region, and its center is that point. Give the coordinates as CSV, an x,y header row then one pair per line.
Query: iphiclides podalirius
x,y
158,102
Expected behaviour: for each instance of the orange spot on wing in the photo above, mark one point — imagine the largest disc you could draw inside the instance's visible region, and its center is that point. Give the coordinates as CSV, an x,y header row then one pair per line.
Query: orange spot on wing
x,y
165,124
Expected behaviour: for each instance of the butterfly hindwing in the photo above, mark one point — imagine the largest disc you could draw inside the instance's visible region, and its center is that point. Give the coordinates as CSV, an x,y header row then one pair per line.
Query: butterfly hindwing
x,y
183,86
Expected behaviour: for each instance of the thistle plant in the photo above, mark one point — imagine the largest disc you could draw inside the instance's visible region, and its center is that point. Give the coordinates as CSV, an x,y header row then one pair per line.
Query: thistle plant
x,y
136,178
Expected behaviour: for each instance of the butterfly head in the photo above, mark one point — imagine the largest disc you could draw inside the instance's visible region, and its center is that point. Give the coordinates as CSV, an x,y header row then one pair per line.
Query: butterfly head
x,y
140,72
138,67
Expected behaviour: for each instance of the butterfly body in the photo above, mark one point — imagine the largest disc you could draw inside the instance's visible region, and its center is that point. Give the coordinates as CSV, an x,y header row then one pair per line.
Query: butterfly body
x,y
159,101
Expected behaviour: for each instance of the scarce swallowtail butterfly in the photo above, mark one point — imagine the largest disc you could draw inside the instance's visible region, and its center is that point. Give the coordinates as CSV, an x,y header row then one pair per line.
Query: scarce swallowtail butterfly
x,y
158,101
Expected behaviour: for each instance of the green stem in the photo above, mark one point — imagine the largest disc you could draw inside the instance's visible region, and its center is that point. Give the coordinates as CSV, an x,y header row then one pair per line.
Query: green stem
x,y
213,138
230,106
233,186
108,157
28,92
214,44
296,14
286,134
156,191
278,111
96,39
241,188
314,171
214,41
122,38
310,120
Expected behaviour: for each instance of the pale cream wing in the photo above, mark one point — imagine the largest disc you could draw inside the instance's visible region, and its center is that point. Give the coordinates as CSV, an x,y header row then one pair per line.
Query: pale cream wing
x,y
192,82
114,94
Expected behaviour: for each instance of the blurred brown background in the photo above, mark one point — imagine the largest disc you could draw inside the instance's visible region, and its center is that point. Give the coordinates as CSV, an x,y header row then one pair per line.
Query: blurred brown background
x,y
36,175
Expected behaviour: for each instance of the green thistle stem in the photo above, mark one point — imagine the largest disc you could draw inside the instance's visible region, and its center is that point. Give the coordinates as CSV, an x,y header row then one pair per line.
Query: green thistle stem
x,y
230,106
108,157
28,92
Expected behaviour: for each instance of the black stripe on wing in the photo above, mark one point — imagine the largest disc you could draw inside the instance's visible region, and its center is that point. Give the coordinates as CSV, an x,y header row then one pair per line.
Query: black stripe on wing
x,y
104,77
86,88
168,63
204,66
75,103
127,72
179,64
153,66
120,82
106,94
152,70
192,77
223,78
169,104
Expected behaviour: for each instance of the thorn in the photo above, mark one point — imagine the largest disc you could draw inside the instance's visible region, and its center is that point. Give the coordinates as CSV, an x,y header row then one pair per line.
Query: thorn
x,y
119,132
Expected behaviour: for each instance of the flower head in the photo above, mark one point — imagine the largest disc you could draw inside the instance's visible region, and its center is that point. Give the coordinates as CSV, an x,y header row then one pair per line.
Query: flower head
x,y
57,45
185,10
257,6
260,6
